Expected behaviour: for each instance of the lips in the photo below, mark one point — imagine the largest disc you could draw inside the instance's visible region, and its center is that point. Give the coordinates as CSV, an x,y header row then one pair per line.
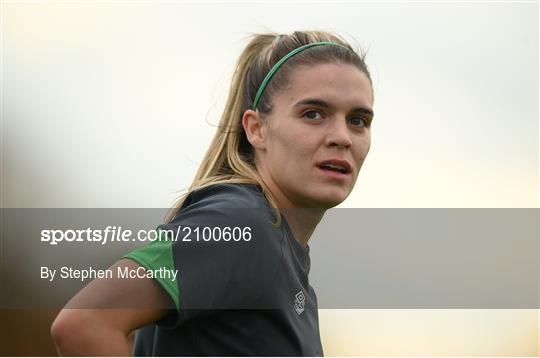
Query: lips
x,y
338,165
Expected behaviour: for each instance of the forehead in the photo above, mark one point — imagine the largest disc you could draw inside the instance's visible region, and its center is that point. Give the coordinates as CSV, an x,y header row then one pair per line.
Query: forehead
x,y
342,85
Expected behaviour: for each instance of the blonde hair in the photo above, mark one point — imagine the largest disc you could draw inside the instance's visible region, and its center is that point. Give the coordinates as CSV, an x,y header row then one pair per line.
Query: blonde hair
x,y
230,158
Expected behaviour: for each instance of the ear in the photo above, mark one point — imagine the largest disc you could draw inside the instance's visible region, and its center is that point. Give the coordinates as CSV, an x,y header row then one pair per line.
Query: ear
x,y
255,128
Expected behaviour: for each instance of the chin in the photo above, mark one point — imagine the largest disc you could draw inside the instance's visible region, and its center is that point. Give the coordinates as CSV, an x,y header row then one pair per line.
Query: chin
x,y
329,199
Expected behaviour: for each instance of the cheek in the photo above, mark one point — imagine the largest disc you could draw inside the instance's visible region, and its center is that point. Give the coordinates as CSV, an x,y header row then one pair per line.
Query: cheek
x,y
361,148
293,153
292,146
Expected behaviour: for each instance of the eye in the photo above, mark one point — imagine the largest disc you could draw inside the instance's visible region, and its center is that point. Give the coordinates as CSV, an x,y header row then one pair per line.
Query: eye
x,y
312,114
359,122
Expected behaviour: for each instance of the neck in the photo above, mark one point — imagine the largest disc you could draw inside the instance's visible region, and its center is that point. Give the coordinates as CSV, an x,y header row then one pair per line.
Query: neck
x,y
302,222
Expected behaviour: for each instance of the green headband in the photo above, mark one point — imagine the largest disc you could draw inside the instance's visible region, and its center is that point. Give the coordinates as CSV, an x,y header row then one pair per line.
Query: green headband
x,y
274,69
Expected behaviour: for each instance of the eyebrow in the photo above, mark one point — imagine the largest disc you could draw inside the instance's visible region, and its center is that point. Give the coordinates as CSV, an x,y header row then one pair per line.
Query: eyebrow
x,y
324,104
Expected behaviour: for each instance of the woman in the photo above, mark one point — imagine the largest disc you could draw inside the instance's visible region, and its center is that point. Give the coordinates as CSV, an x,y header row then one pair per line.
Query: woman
x,y
292,139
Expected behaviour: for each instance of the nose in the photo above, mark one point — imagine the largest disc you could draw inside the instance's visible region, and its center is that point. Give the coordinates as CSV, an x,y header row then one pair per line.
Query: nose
x,y
338,134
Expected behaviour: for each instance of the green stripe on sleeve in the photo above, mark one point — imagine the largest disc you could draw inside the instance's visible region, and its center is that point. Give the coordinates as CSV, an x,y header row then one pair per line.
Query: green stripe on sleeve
x,y
158,254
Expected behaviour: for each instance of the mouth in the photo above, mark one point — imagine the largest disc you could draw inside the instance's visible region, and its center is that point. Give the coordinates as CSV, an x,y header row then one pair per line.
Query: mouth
x,y
336,165
335,169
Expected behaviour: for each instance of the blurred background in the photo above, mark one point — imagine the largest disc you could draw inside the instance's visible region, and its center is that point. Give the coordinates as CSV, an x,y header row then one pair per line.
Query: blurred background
x,y
110,104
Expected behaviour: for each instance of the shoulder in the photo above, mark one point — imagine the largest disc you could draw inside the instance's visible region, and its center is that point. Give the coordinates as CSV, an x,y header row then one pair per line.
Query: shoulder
x,y
227,196
223,211
225,205
227,234
224,244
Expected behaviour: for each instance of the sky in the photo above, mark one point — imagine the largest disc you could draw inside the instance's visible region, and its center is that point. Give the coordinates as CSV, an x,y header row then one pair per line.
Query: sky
x,y
122,98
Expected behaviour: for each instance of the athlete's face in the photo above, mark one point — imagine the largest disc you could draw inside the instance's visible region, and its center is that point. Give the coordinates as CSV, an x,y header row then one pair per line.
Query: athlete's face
x,y
317,136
